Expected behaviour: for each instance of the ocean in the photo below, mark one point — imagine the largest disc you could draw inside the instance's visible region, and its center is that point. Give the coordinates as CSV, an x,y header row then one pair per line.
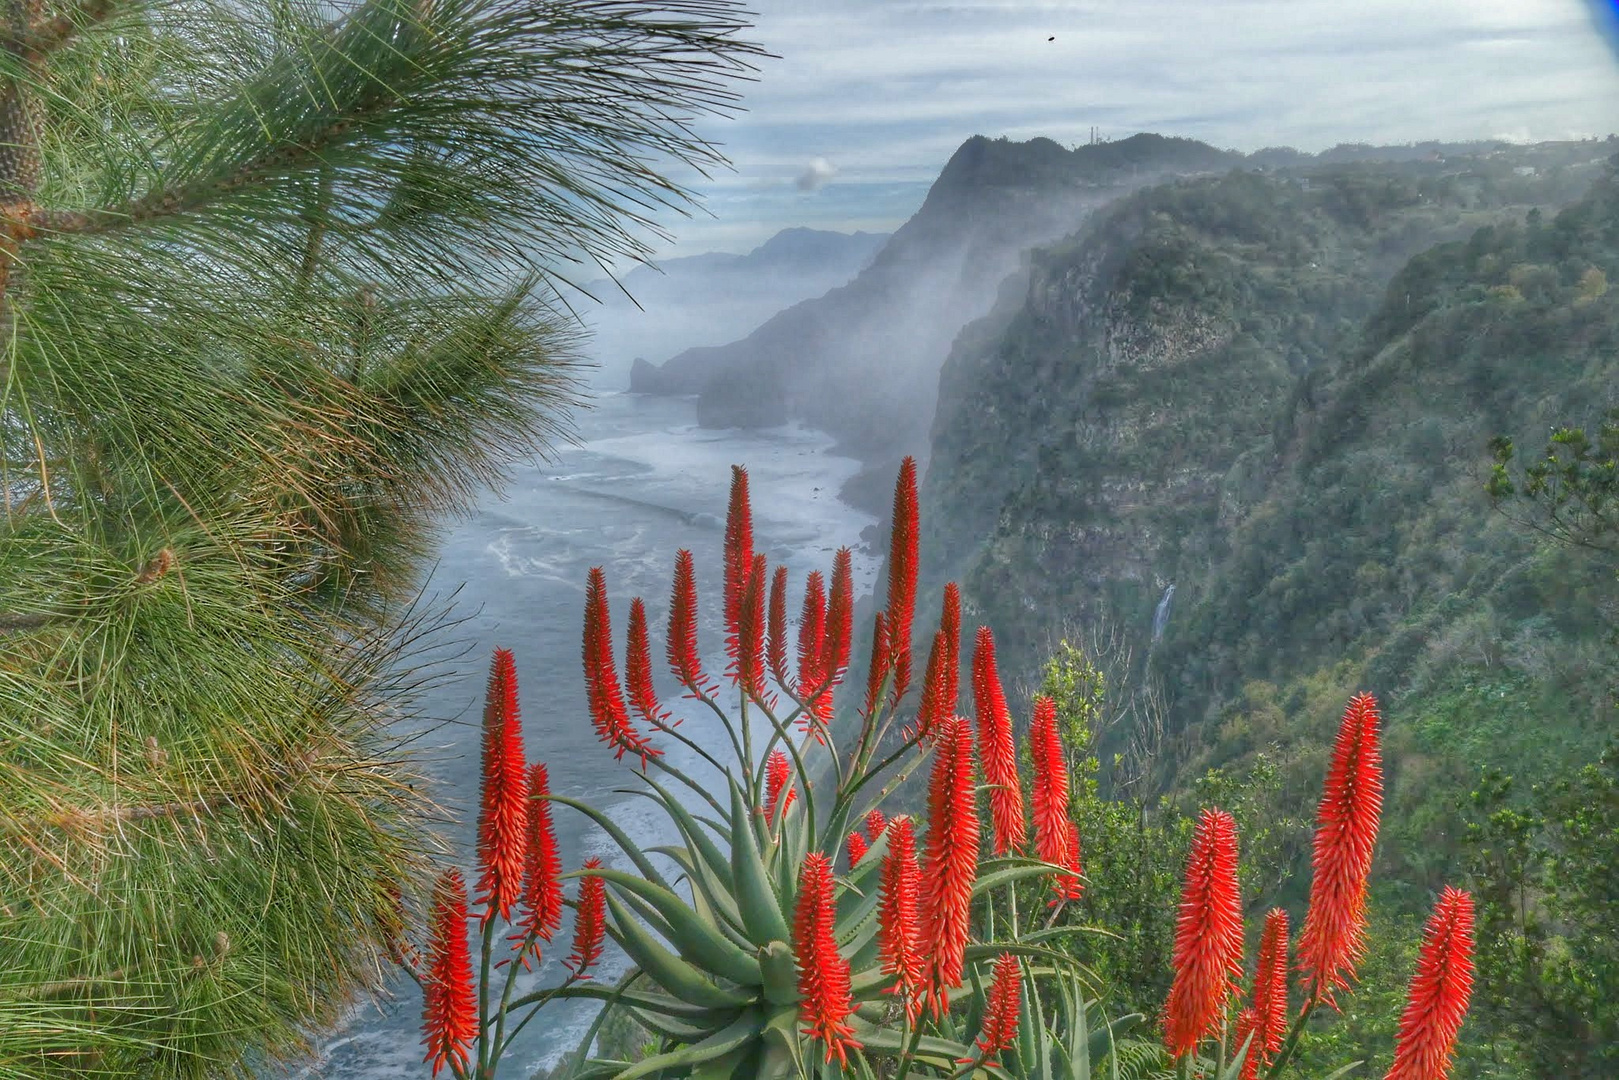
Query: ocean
x,y
644,481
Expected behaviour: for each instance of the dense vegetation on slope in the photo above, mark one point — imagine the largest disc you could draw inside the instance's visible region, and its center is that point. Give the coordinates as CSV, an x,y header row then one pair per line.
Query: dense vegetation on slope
x,y
1107,428
1280,399
1375,546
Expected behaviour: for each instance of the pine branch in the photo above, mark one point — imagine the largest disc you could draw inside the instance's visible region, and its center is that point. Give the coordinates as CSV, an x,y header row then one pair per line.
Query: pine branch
x,y
277,305
28,221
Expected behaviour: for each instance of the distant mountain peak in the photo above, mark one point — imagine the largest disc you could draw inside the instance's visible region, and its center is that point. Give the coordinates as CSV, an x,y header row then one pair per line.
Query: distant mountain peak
x,y
801,242
1039,162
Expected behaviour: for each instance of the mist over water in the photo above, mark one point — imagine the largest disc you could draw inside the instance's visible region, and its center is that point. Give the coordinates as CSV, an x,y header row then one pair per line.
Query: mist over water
x,y
645,482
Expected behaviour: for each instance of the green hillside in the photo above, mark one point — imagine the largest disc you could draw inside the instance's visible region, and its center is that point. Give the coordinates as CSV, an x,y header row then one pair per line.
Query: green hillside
x,y
1277,392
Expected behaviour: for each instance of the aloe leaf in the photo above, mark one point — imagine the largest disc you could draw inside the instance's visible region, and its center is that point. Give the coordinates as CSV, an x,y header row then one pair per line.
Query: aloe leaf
x,y
1103,1039
930,1049
1345,1071
866,950
789,854
1077,1055
649,915
737,1033
977,1005
996,878
710,899
1059,960
696,939
837,827
781,1032
1059,931
779,1055
650,1001
780,974
1233,1070
861,891
696,836
672,974
740,1064
595,1069
869,982
678,1031
758,901
1036,1049
857,913
628,846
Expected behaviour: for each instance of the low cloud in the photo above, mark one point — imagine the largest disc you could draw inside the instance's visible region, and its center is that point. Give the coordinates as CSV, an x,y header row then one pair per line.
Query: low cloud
x,y
816,175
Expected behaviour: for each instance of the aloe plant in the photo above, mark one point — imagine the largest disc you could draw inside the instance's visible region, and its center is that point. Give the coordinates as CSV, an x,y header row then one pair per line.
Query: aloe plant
x,y
752,958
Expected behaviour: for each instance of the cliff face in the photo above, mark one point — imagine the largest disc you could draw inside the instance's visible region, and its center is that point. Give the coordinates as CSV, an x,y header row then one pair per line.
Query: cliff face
x,y
1215,384
862,361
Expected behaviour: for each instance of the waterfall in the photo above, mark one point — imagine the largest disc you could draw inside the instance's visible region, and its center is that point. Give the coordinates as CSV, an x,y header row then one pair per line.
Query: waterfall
x,y
1160,617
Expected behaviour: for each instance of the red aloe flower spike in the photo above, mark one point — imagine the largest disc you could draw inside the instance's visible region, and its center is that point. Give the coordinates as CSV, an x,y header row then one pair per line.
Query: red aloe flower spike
x,y
880,657
811,644
875,824
542,873
638,668
589,923
999,751
902,562
449,1002
738,561
503,812
777,649
747,667
1439,993
1248,1024
682,647
930,710
823,973
1334,935
606,699
1056,840
950,624
839,619
857,848
1270,986
999,1029
1208,936
952,860
778,771
899,928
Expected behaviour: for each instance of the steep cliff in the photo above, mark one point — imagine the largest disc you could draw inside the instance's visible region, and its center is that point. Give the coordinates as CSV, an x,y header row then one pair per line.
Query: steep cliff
x,y
1248,387
862,361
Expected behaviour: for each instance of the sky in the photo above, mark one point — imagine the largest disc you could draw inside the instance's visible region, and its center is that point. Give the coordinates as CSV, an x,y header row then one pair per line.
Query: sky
x,y
869,98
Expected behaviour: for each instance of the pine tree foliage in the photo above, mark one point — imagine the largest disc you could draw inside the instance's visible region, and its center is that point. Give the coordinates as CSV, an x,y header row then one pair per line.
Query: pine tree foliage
x,y
278,289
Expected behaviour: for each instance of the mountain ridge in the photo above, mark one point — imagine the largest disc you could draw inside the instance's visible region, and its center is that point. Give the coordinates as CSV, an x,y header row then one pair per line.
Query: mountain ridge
x,y
861,361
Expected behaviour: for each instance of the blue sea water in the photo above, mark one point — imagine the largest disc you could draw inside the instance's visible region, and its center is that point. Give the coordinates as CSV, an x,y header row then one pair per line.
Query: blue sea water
x,y
644,482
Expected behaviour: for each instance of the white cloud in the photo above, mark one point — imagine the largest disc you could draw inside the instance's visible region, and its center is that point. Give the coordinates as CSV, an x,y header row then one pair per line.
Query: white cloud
x,y
816,175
